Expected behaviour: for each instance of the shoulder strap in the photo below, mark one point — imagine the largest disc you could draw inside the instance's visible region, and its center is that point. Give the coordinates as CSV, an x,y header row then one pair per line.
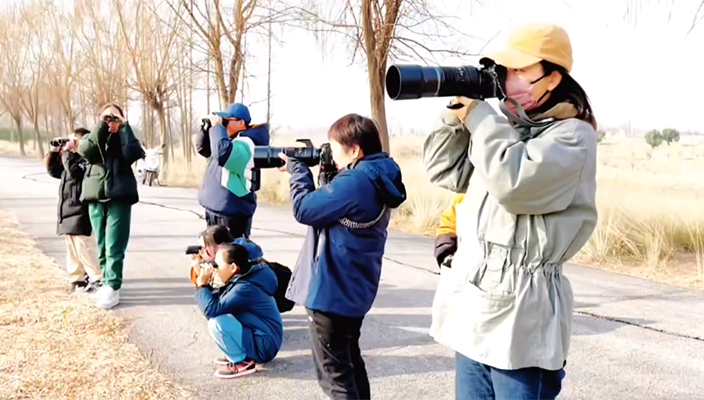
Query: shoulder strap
x,y
362,225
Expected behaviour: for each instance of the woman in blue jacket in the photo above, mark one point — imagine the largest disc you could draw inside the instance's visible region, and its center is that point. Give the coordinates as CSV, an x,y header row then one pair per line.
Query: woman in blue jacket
x,y
338,270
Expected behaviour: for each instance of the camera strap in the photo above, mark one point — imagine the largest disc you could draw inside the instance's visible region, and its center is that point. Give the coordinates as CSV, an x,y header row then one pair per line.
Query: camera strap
x,y
362,225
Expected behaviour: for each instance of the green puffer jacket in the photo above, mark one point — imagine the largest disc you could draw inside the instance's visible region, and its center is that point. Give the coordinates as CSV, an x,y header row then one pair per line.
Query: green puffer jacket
x,y
110,156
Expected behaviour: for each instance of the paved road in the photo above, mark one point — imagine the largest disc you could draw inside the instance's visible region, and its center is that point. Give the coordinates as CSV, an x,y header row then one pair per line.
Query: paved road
x,y
633,339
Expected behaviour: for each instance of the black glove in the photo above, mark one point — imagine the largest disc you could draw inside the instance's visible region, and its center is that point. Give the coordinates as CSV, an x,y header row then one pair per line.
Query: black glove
x,y
445,247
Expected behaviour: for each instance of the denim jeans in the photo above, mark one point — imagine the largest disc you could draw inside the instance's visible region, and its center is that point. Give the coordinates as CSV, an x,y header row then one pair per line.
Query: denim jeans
x,y
226,330
476,381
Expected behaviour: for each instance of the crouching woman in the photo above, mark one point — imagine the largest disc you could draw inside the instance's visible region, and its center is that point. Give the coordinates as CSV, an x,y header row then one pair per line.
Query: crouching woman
x,y
242,315
337,273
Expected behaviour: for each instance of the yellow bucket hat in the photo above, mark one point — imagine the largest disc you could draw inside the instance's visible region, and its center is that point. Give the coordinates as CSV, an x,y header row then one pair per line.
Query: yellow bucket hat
x,y
531,43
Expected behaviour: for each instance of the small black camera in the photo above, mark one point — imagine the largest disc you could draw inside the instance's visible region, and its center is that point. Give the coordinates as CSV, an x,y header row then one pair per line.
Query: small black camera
x,y
190,250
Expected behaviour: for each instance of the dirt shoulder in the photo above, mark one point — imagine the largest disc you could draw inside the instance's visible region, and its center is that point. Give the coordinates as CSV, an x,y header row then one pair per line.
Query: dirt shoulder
x,y
54,344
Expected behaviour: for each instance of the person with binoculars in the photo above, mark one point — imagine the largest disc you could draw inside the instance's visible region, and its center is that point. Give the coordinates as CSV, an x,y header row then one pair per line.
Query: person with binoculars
x,y
63,162
505,306
110,189
227,192
337,273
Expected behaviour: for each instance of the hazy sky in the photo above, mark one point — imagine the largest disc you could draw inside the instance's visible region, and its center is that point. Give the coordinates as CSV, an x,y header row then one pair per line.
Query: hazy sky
x,y
645,72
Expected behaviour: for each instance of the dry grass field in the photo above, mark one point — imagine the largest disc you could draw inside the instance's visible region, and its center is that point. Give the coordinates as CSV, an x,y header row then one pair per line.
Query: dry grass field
x,y
54,345
651,221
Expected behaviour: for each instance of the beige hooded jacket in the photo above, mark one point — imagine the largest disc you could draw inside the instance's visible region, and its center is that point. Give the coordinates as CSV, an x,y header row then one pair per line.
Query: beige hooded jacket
x,y
529,208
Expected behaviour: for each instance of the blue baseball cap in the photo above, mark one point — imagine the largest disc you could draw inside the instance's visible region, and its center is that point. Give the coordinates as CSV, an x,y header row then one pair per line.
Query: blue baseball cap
x,y
253,250
236,110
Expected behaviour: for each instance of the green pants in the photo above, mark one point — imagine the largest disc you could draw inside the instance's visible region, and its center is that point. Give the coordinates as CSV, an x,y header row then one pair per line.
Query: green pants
x,y
111,223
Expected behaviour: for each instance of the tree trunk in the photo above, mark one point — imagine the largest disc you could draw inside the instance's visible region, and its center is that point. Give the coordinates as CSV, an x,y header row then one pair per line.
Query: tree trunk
x,y
169,133
145,138
207,88
235,71
220,79
71,119
37,136
268,75
162,132
377,77
18,124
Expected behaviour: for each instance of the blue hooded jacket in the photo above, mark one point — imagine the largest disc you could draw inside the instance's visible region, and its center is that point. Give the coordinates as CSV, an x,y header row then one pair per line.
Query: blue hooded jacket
x,y
217,147
339,267
248,298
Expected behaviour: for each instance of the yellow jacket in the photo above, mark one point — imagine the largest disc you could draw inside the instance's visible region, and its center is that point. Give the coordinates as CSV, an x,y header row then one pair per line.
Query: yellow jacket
x,y
448,219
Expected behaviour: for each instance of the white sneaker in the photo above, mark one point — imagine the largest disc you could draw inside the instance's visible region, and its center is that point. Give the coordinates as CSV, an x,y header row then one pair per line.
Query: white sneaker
x,y
108,299
98,294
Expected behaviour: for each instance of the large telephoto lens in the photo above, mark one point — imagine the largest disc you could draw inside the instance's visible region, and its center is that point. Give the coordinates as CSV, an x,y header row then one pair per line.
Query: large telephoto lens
x,y
405,82
268,157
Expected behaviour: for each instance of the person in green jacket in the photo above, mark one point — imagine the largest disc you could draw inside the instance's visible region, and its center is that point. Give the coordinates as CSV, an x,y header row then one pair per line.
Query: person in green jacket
x,y
529,174
110,189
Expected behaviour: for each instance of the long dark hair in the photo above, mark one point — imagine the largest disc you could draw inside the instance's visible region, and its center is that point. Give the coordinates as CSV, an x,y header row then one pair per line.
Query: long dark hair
x,y
568,91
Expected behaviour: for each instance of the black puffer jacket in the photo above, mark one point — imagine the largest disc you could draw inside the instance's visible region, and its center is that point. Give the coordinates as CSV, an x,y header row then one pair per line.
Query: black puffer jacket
x,y
72,215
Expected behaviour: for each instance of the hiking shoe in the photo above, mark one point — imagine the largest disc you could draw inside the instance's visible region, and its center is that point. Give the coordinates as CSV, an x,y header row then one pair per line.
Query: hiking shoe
x,y
107,298
236,370
79,287
222,360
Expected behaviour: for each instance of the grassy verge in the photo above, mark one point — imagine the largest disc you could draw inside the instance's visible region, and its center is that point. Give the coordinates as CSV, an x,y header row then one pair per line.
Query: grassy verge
x,y
651,221
55,345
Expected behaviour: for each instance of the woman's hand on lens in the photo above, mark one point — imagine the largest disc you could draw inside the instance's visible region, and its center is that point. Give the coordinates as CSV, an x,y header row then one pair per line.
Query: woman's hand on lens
x,y
461,107
284,167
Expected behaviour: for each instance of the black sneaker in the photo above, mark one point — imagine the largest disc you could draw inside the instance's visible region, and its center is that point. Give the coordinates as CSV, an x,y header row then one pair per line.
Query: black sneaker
x,y
79,287
93,286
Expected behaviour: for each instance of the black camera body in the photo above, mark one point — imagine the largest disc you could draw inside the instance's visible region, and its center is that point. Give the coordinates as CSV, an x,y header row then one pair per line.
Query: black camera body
x,y
268,156
58,142
405,82
191,250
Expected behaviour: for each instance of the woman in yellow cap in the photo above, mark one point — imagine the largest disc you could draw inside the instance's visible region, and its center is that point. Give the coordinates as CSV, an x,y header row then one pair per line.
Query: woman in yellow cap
x,y
505,306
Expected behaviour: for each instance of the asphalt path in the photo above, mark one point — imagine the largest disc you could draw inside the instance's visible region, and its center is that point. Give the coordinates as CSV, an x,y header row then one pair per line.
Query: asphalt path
x,y
632,339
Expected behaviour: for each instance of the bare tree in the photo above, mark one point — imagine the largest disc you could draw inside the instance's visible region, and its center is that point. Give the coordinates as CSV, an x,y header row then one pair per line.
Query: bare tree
x,y
65,66
211,26
35,76
14,58
104,54
382,30
151,45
